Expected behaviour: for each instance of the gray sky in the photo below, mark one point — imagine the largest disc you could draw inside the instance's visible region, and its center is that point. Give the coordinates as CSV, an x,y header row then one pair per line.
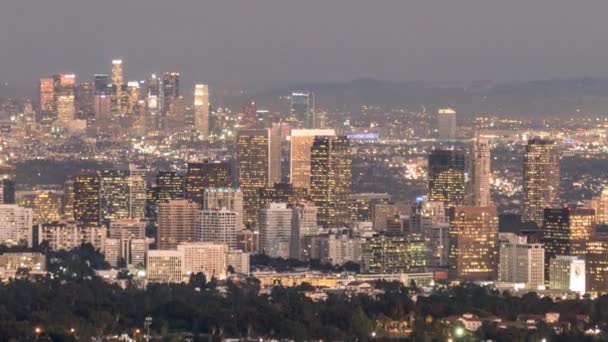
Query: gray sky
x,y
310,40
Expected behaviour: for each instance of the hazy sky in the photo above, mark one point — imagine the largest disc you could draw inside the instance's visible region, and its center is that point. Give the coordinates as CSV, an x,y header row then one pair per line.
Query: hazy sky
x,y
311,40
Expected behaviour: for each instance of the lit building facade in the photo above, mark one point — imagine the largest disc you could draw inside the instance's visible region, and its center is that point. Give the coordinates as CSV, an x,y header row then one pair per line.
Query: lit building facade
x,y
252,151
541,177
520,261
178,221
219,226
446,177
479,173
300,155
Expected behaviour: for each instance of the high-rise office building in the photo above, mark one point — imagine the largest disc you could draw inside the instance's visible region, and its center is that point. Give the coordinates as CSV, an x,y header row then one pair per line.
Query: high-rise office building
x,y
7,191
16,225
599,203
541,177
520,261
361,205
447,177
201,109
47,95
228,198
137,183
127,229
114,194
252,149
281,192
101,84
301,144
84,101
384,253
331,180
164,266
102,112
87,188
304,223
169,91
424,214
567,273
479,173
66,110
582,225
46,207
473,243
597,266
64,235
275,230
117,91
206,175
303,109
446,124
170,186
132,97
219,226
275,140
178,221
556,234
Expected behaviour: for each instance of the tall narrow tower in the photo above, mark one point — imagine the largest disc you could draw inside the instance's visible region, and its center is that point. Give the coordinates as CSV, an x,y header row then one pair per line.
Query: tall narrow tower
x,y
479,173
541,179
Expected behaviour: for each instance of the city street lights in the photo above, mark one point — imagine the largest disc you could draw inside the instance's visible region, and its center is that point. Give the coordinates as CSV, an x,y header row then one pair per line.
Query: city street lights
x,y
147,324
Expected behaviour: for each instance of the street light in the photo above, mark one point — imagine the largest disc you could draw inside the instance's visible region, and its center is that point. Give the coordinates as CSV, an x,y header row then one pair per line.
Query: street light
x,y
147,324
459,331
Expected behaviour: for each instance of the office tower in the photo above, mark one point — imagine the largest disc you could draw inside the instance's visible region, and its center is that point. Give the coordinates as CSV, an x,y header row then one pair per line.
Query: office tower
x,y
301,144
69,235
520,261
281,192
201,109
228,198
303,109
219,226
342,249
87,186
275,230
127,229
446,177
204,257
599,203
473,243
248,118
382,213
238,260
68,199
175,115
425,214
7,191
114,195
582,225
65,109
274,155
556,234
101,110
438,241
384,253
84,100
252,147
46,95
101,84
331,180
15,225
596,260
132,96
304,223
137,182
479,173
361,205
164,266
446,124
201,176
170,186
567,273
46,207
541,179
117,81
169,91
178,221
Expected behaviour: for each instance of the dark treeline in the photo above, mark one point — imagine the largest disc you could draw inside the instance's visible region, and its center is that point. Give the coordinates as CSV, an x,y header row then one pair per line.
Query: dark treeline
x,y
72,297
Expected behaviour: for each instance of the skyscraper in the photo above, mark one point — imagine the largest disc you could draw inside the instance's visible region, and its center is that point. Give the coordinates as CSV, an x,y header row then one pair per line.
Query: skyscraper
x,y
301,143
331,180
303,109
87,187
137,183
446,124
101,84
541,176
274,155
582,225
170,186
275,230
520,261
252,148
556,234
170,91
479,173
228,198
114,194
178,221
201,176
446,177
219,226
117,82
15,225
201,109
473,243
47,95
